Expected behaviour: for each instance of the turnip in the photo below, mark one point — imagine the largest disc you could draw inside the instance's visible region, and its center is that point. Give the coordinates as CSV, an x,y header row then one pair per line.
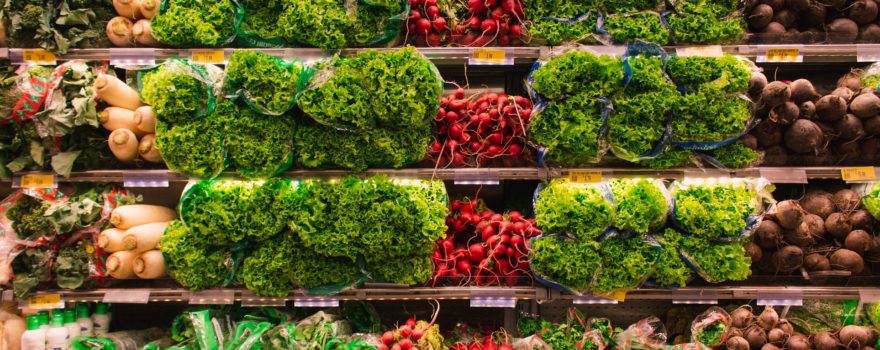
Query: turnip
x,y
861,220
854,337
825,341
737,343
125,8
862,11
785,326
817,262
838,225
760,16
775,94
820,203
842,30
756,337
786,260
804,137
866,105
777,337
847,260
789,214
798,342
119,31
768,235
142,32
846,200
830,108
858,241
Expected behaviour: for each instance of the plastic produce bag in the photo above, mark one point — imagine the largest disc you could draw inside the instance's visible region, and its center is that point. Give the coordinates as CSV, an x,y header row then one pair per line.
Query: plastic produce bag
x,y
648,26
724,210
258,26
196,23
565,265
711,328
553,29
260,146
195,262
575,70
570,131
870,197
649,333
22,92
627,262
265,83
640,205
584,211
335,24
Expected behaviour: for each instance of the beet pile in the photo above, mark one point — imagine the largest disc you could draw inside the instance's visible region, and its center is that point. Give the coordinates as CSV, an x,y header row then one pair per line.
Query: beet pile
x,y
474,24
483,247
769,331
814,21
820,232
802,127
480,130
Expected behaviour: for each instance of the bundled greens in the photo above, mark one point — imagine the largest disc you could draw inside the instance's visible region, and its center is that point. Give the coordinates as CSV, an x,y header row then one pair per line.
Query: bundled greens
x,y
259,26
736,155
31,267
714,210
58,25
335,24
266,83
320,146
310,269
626,263
709,115
644,26
265,270
192,259
194,148
176,91
71,103
71,266
29,219
577,209
625,6
570,130
545,28
639,204
638,123
706,22
670,158
571,264
729,73
717,262
260,146
195,23
670,270
578,72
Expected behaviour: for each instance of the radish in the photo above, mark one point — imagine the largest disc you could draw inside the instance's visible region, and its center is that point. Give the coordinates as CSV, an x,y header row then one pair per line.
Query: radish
x,y
423,26
439,24
477,252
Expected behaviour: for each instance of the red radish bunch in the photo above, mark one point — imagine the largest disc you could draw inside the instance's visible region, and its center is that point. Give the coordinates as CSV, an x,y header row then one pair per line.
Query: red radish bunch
x,y
485,21
407,337
473,131
483,247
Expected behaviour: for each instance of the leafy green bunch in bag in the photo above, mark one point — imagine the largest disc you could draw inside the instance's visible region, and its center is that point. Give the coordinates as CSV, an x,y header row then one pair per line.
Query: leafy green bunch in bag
x,y
266,83
195,23
577,209
195,262
335,24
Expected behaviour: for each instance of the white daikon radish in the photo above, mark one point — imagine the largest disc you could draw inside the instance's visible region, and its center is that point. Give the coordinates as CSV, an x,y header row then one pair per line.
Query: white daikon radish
x,y
144,237
125,8
150,264
116,92
128,216
142,33
147,8
147,149
110,240
113,118
145,119
119,32
124,145
120,265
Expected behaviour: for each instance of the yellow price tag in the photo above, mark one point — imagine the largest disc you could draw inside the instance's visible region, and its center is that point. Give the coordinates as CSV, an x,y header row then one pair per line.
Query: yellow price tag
x,y
208,56
619,295
782,55
488,55
862,173
39,56
38,181
45,301
586,177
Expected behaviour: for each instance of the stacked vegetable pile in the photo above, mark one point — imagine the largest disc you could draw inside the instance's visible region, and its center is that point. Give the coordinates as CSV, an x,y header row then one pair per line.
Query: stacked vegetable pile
x,y
128,120
813,21
414,335
134,240
802,127
770,331
483,247
472,23
820,232
192,23
376,107
48,236
132,26
483,129
56,25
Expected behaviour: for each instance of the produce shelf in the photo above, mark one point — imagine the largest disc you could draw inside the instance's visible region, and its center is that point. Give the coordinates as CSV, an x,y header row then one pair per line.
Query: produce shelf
x,y
477,176
826,53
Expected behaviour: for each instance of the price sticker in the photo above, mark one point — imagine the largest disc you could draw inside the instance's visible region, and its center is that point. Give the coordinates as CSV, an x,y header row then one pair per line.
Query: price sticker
x,y
862,173
619,295
487,56
585,177
45,302
208,56
37,181
701,51
38,56
781,55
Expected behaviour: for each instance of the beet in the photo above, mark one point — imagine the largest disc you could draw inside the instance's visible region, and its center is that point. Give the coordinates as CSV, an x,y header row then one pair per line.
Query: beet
x,y
837,225
797,342
806,234
742,317
847,152
768,319
821,158
773,32
846,200
776,5
844,92
842,31
754,251
866,105
870,150
818,203
817,262
756,336
777,337
847,260
850,80
808,110
757,82
855,337
775,94
768,235
737,343
768,134
785,114
802,90
858,241
861,220
789,214
850,128
862,11
804,137
750,141
787,260
775,156
825,341
760,17
869,33
813,16
837,4
871,126
873,253
785,17
830,108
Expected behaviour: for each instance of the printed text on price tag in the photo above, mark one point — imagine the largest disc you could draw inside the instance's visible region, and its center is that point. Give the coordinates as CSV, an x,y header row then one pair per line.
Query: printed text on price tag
x,y
45,302
782,54
38,56
862,173
37,181
493,56
208,56
585,177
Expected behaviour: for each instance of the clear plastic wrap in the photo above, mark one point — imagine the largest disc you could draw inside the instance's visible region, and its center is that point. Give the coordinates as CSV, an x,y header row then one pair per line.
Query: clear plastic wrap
x,y
335,24
641,205
703,207
648,26
196,23
711,328
646,334
570,131
258,25
564,264
554,30
583,211
265,83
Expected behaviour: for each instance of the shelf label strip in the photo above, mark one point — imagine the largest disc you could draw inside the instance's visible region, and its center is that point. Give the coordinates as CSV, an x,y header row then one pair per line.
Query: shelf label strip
x,y
869,295
212,297
701,51
477,177
493,298
784,175
592,299
694,297
316,302
257,301
780,297
578,176
127,296
867,53
145,179
858,174
132,57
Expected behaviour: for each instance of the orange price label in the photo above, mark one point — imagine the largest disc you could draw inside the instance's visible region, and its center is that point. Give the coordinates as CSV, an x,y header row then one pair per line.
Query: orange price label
x,y
862,173
208,56
45,301
585,177
489,55
39,56
782,55
38,181
619,295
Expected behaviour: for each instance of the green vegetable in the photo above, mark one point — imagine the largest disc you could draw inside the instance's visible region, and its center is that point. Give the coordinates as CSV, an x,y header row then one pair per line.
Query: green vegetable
x,y
267,83
670,270
576,209
562,335
58,25
31,267
671,158
194,148
736,155
192,260
260,146
579,72
28,217
638,123
335,24
717,262
265,270
176,91
232,211
71,103
709,115
871,201
570,129
197,23
729,73
645,26
718,8
410,271
705,29
359,150
639,204
648,75
624,6
571,264
712,333
712,211
261,18
71,266
311,269
626,263
551,32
